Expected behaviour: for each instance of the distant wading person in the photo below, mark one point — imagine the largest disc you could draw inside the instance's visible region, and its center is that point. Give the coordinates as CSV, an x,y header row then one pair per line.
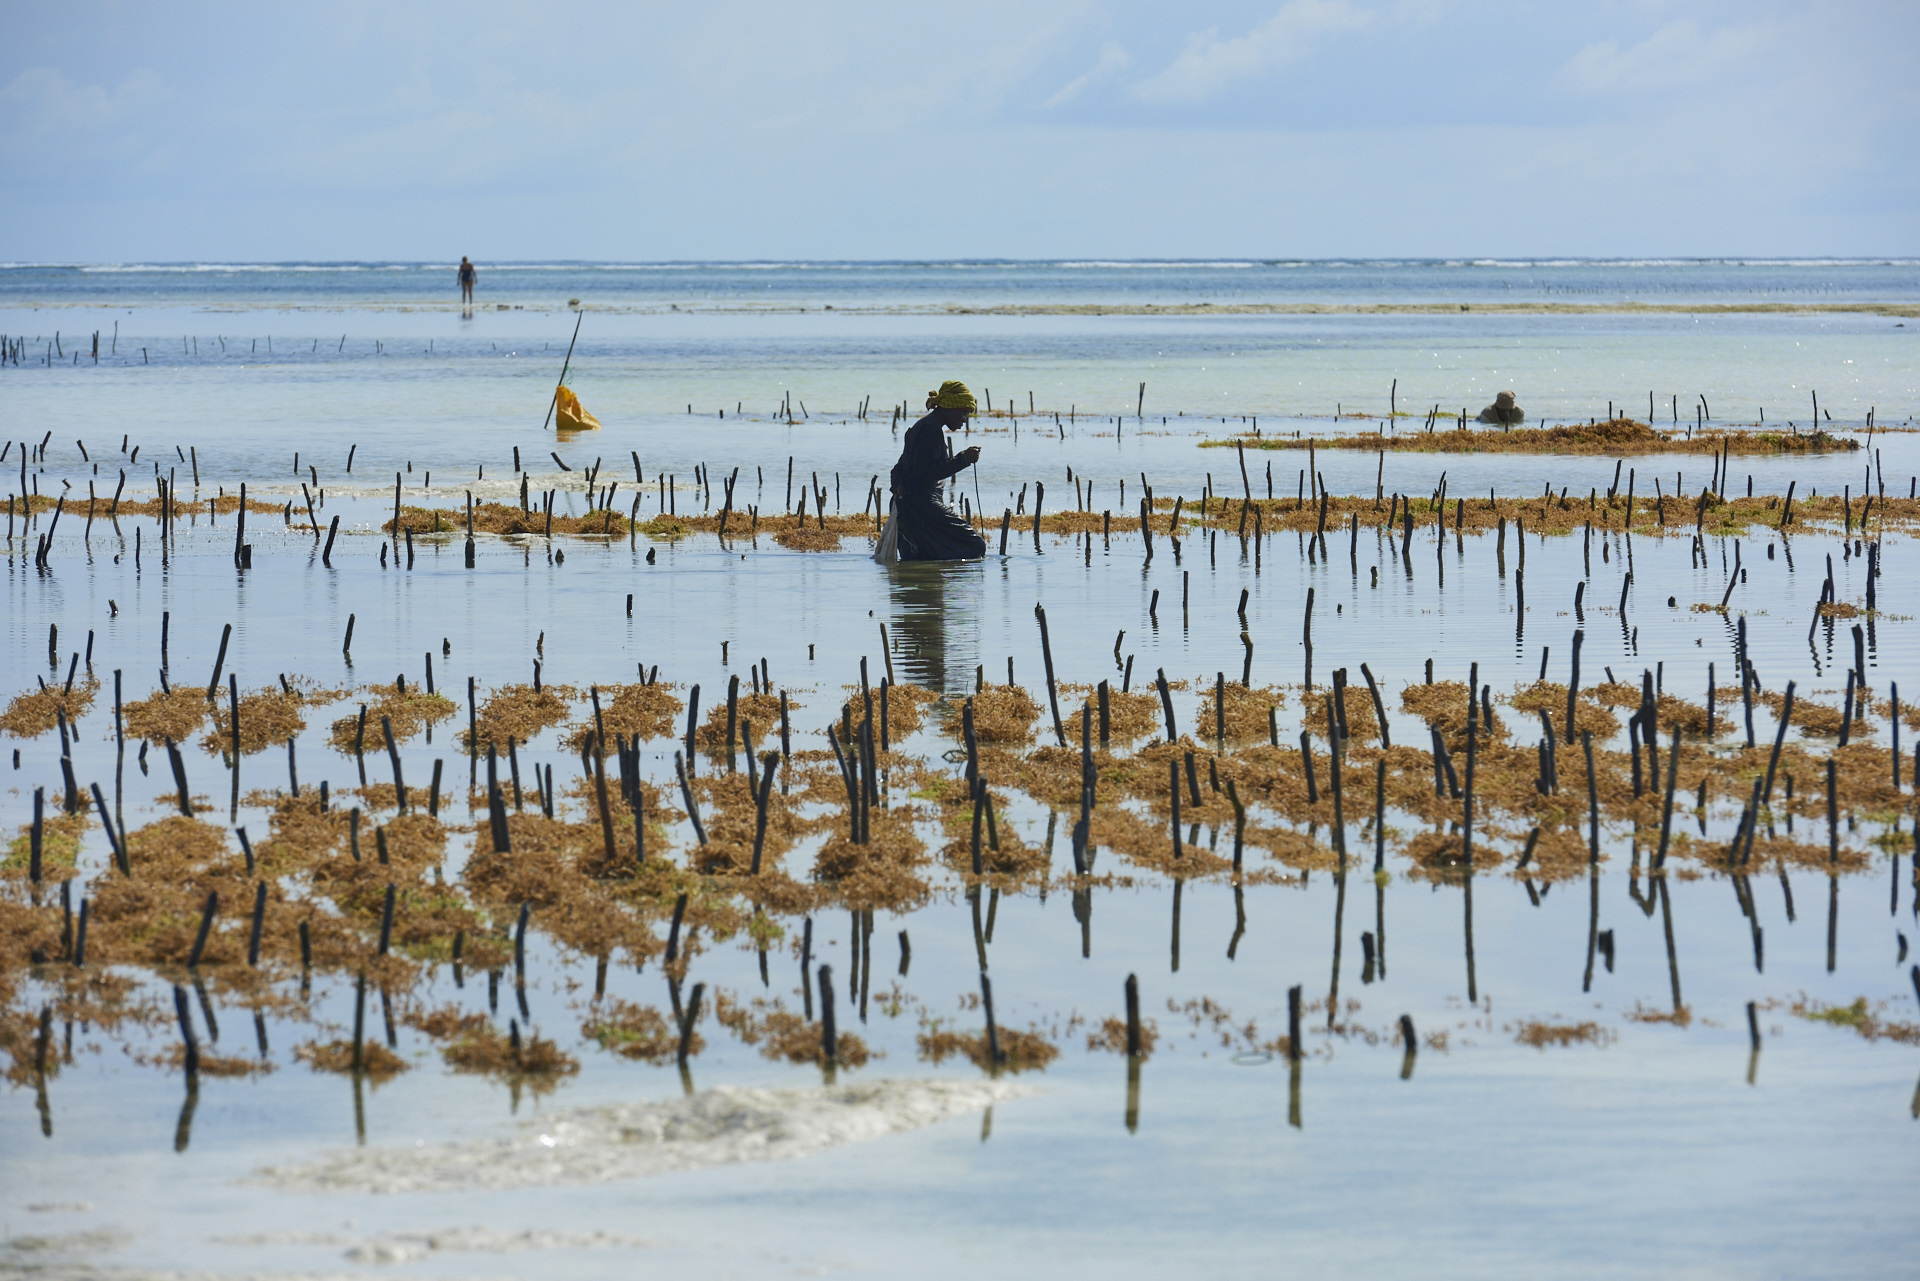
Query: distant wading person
x,y
1504,409
921,527
467,276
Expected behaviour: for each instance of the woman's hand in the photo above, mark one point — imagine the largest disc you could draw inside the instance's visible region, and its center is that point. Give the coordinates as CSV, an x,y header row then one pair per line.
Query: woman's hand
x,y
967,457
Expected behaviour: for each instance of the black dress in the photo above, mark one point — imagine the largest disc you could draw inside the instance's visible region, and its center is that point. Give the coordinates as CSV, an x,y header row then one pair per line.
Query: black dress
x,y
929,530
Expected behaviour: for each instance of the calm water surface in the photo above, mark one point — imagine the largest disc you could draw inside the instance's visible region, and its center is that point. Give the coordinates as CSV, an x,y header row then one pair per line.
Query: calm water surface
x,y
1659,1148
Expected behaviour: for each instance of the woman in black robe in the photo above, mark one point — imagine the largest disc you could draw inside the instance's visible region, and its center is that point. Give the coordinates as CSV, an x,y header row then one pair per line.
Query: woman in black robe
x,y
924,527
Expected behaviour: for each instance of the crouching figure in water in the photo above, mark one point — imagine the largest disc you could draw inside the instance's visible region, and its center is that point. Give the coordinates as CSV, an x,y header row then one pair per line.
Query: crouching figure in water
x,y
921,527
1504,409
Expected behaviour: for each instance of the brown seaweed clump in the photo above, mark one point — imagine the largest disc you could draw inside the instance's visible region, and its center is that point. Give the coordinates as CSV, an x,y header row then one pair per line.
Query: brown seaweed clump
x,y
1002,852
376,1060
884,872
760,710
518,712
808,533
732,820
153,916
560,868
59,846
21,1042
32,714
1443,705
633,712
1130,715
1020,1051
223,1065
636,1032
1001,714
1541,1035
427,912
906,708
1247,710
907,704
1565,514
172,714
547,861
1589,713
1858,1017
1112,1037
804,539
268,718
27,934
498,518
1615,436
1356,706
785,1037
1813,719
410,710
301,833
1681,1017
483,1051
444,1023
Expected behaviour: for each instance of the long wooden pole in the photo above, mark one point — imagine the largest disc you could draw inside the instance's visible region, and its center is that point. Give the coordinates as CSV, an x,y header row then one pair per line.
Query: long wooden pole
x,y
555,400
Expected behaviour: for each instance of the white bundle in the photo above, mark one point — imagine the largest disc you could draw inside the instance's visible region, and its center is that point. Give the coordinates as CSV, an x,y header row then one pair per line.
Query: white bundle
x,y
888,552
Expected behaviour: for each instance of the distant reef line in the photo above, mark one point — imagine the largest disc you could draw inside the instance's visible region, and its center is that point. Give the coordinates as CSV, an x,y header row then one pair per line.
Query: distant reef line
x,y
1903,310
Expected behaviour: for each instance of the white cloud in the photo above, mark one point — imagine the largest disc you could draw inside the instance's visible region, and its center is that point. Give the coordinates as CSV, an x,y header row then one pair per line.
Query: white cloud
x,y
1210,64
41,103
1113,60
1677,55
740,129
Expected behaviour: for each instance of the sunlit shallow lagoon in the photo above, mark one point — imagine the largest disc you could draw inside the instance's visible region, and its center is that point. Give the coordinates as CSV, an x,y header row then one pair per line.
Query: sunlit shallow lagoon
x,y
1574,1106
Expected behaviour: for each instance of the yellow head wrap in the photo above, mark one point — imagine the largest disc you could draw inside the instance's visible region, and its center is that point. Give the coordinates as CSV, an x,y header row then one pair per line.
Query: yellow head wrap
x,y
952,395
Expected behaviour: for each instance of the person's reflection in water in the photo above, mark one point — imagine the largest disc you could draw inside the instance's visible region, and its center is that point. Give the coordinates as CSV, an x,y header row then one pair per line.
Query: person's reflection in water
x,y
936,611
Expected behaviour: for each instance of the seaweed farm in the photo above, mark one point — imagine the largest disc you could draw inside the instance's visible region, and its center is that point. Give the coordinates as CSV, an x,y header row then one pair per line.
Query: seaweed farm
x,y
495,853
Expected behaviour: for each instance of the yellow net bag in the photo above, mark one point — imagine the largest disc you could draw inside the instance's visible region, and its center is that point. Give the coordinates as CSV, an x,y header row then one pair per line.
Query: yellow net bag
x,y
569,415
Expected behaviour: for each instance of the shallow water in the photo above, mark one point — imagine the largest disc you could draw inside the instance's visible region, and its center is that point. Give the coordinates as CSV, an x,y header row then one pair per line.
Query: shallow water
x,y
977,283
1653,1147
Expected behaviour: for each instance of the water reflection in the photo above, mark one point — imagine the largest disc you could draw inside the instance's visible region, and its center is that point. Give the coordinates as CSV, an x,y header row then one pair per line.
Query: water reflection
x,y
936,618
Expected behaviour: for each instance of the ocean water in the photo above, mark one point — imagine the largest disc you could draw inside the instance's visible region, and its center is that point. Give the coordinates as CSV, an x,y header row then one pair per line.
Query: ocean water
x,y
1654,1147
984,283
252,364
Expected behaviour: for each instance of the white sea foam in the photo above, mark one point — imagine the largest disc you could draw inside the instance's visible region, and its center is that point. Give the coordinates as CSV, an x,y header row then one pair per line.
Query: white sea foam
x,y
625,1141
414,1244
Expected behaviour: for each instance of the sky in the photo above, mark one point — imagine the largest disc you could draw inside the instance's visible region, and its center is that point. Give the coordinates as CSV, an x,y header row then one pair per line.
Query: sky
x,y
857,129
